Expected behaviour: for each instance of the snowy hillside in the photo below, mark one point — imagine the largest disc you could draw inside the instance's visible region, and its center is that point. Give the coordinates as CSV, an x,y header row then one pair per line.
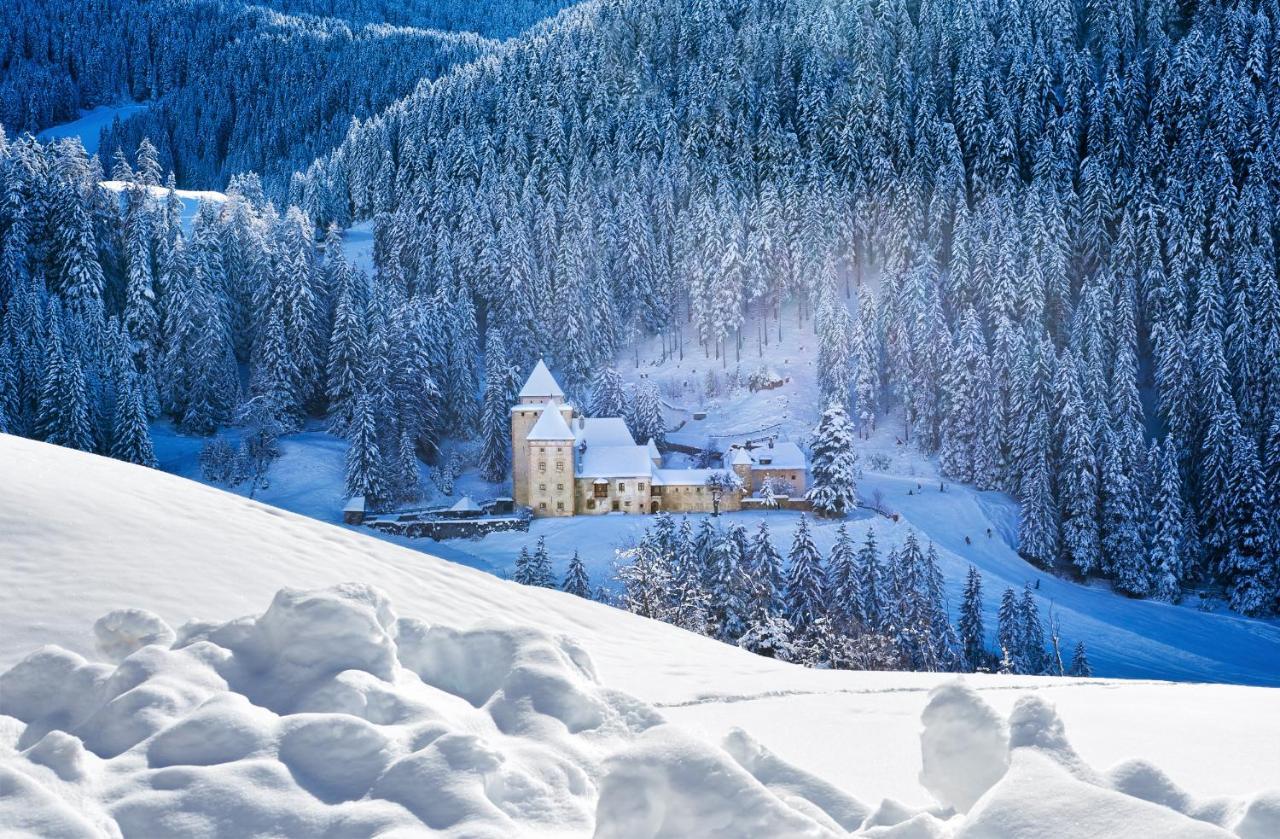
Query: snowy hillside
x,y
473,706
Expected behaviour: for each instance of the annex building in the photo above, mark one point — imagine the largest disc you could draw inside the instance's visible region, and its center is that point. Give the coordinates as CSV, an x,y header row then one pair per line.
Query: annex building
x,y
566,464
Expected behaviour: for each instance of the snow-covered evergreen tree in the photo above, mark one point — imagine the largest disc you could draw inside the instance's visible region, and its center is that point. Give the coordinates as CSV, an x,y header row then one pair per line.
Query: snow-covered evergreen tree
x,y
806,580
972,635
576,580
834,469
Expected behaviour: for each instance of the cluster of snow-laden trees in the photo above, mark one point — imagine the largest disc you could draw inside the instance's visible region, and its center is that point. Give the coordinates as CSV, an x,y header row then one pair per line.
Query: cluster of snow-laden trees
x,y
234,87
852,609
1041,236
111,315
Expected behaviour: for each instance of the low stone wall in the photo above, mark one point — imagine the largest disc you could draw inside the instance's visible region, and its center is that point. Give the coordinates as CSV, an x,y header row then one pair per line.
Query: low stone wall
x,y
799,505
445,528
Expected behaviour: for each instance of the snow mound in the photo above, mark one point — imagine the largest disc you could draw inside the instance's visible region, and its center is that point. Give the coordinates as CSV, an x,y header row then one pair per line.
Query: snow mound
x,y
964,747
125,631
1039,797
330,715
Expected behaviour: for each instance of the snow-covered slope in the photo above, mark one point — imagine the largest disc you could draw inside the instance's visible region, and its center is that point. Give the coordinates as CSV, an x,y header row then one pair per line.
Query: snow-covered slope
x,y
386,690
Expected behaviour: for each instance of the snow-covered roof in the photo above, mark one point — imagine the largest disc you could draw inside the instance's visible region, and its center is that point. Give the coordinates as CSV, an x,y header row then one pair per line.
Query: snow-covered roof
x,y
615,462
465,505
739,457
541,382
681,477
550,426
602,431
653,450
784,455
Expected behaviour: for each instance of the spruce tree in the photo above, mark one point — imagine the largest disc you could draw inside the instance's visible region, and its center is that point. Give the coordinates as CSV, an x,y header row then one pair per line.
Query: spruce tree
x,y
540,571
765,564
130,434
575,579
972,634
844,600
1030,645
645,415
607,396
365,465
1009,629
834,467
870,582
495,420
806,580
1080,666
1168,522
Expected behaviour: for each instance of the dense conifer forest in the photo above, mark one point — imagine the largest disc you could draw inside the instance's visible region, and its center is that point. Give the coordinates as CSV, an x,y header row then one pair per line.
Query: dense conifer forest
x,y
1040,237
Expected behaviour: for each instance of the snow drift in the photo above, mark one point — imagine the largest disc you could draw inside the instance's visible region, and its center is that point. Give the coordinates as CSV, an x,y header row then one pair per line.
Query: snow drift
x,y
329,714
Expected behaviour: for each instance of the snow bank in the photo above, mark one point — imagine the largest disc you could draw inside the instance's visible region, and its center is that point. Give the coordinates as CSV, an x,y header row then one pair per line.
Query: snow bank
x,y
329,714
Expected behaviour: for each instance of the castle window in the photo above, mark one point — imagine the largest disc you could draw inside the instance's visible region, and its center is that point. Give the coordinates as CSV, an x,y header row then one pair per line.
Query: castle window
x,y
559,465
640,487
542,505
600,490
559,487
622,487
542,487
542,450
591,503
542,466
560,506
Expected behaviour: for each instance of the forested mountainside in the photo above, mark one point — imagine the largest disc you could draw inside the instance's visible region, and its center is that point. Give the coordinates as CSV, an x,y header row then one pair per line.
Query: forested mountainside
x,y
234,87
1055,227
490,18
1059,221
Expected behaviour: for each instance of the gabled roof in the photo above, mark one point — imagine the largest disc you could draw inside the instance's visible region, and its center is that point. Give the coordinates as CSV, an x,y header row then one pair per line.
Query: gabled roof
x,y
541,382
465,505
603,431
615,462
550,426
739,457
653,450
784,454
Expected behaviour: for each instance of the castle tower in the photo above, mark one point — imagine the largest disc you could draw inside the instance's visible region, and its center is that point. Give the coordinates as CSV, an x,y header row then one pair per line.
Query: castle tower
x,y
540,390
550,445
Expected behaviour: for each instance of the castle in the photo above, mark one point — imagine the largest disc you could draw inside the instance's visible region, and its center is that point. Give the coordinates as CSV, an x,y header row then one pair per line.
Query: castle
x,y
567,464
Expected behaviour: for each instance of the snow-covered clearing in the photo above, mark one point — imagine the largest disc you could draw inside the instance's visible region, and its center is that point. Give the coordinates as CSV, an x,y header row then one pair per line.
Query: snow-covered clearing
x,y
544,722
189,198
90,124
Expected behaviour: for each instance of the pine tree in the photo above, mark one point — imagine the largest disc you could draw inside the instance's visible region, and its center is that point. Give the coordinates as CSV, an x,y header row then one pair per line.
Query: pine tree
x,y
346,369
835,465
765,569
1243,569
607,397
130,434
806,580
1080,666
63,414
524,567
844,600
1077,476
1030,645
1168,525
575,579
972,634
365,466
1009,630
869,582
540,571
962,455
645,415
495,420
